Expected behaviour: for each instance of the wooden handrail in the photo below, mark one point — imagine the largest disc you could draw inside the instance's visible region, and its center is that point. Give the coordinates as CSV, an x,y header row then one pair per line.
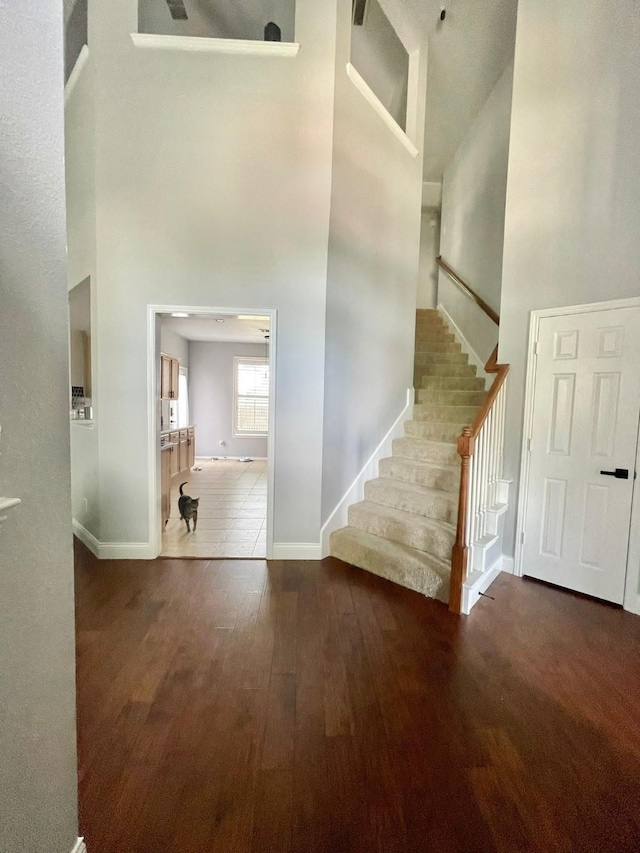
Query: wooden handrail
x,y
453,275
466,447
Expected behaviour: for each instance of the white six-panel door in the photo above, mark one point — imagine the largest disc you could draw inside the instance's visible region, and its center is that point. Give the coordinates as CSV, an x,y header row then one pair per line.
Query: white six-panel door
x,y
585,421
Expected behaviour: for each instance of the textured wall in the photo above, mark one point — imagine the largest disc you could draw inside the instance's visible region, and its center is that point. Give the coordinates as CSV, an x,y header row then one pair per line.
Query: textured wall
x,y
38,812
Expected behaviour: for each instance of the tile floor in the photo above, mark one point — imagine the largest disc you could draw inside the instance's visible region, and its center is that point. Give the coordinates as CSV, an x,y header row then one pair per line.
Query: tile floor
x,y
232,514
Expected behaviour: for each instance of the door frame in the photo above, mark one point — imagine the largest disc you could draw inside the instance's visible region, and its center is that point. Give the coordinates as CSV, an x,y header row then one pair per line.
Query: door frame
x,y
153,413
632,580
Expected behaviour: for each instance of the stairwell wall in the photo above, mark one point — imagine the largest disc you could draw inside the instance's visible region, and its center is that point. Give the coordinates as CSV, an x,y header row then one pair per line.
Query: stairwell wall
x,y
572,226
374,242
472,228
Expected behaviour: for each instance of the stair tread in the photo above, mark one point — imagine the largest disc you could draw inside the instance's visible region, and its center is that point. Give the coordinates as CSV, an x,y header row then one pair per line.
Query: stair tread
x,y
421,463
416,489
402,515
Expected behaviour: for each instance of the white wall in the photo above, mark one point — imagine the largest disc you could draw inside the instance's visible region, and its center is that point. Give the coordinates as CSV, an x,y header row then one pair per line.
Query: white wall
x,y
429,251
211,399
220,197
474,190
38,781
174,345
372,280
381,59
219,18
572,227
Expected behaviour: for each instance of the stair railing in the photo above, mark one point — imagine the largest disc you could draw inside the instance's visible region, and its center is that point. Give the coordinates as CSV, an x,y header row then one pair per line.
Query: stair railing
x,y
480,447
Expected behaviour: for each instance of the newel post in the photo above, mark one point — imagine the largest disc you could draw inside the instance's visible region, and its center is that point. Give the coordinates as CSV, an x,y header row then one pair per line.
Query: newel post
x,y
460,551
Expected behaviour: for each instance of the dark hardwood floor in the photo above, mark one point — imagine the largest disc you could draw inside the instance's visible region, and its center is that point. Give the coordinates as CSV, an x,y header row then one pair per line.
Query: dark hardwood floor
x,y
237,706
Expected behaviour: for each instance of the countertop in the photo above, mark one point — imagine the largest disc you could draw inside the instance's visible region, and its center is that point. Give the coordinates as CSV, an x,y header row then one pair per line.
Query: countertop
x,y
176,429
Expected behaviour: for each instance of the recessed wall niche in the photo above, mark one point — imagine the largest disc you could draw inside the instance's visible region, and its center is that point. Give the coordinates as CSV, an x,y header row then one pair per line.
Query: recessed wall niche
x,y
222,19
81,384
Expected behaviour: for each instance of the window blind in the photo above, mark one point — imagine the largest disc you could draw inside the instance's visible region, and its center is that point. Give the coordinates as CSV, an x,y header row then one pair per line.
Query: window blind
x,y
252,396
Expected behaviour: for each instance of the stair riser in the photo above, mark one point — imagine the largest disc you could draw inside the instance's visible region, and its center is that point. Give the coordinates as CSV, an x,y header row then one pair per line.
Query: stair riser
x,y
450,398
437,335
445,414
433,431
457,370
415,576
440,509
429,358
411,533
437,346
407,472
453,383
425,451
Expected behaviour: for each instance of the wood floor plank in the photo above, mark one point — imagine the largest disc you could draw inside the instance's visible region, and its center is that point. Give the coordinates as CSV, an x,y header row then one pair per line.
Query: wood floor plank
x,y
304,707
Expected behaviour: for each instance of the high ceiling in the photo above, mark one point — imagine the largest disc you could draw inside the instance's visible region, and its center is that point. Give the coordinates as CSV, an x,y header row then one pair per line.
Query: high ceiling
x,y
468,52
224,328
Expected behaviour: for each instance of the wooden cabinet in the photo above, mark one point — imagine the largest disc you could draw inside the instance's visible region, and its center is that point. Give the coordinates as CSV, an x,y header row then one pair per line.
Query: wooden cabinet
x,y
174,467
165,456
184,450
169,377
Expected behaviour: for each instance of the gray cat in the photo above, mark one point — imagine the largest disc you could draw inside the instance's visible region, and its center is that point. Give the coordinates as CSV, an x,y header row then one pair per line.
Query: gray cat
x,y
188,507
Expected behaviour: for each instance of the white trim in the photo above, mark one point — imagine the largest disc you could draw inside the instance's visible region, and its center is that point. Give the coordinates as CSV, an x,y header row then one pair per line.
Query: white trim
x,y
632,583
214,45
81,61
153,420
474,358
381,110
86,537
113,550
296,551
79,846
478,582
507,564
355,492
7,503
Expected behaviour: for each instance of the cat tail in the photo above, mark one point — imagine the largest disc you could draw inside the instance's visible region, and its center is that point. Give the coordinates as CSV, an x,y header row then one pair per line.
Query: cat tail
x,y
181,485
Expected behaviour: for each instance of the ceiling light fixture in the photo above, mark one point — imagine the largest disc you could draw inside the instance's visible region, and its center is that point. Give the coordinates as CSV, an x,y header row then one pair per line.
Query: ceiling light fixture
x,y
179,314
220,320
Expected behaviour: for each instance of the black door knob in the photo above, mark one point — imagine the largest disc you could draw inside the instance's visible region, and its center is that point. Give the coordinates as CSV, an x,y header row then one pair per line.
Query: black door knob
x,y
619,473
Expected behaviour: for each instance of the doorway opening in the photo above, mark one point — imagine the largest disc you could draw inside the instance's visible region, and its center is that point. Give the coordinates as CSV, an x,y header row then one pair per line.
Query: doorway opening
x,y
211,422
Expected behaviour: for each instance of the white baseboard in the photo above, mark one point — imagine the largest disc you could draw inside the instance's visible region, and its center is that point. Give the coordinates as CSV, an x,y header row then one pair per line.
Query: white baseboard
x,y
296,551
86,538
508,564
79,846
474,358
355,492
113,550
632,604
477,583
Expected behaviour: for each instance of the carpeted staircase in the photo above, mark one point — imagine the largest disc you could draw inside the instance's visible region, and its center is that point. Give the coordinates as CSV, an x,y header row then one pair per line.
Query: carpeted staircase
x,y
404,529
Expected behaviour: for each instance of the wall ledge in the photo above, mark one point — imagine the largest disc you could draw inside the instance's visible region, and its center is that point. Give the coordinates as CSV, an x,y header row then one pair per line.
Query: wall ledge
x,y
367,92
151,41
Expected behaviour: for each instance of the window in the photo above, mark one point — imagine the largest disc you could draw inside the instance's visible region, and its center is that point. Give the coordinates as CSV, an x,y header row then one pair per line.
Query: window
x,y
179,409
251,396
